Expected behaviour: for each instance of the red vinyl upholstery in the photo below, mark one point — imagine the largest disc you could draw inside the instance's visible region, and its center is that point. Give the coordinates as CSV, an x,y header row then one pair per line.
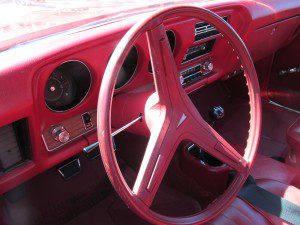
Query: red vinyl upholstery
x,y
267,169
293,136
276,177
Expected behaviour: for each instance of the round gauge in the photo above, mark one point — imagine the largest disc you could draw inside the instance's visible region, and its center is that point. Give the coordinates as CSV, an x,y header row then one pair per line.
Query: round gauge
x,y
60,90
128,68
171,37
67,85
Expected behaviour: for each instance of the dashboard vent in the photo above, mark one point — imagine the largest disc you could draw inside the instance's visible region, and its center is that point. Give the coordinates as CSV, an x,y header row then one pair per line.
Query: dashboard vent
x,y
204,30
14,145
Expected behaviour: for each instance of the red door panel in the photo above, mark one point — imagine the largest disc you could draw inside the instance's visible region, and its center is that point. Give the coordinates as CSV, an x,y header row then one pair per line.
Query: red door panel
x,y
284,85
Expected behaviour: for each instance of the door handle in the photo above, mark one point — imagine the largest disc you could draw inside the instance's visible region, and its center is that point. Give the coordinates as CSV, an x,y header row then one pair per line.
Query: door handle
x,y
289,71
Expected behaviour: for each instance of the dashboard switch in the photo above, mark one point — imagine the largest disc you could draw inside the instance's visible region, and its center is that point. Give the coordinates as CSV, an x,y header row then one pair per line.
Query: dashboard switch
x,y
60,134
87,120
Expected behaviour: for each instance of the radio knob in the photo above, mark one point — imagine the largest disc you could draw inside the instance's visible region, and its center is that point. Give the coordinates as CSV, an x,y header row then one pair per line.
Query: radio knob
x,y
60,134
181,78
208,66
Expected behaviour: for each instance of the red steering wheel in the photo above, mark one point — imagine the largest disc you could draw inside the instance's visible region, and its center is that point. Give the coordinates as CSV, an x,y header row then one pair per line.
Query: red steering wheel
x,y
172,118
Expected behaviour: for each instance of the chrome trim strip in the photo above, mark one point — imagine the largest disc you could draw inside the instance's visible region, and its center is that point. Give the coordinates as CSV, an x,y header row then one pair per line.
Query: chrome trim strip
x,y
283,107
203,31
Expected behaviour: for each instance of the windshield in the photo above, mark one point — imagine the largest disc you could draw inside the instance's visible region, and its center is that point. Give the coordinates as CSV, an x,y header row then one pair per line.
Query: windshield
x,y
25,20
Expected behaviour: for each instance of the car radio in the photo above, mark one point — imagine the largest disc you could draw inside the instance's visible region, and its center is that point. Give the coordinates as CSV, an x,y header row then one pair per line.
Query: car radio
x,y
196,72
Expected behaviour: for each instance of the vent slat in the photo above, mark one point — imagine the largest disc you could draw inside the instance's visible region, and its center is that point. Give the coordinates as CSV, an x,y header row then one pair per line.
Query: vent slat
x,y
204,30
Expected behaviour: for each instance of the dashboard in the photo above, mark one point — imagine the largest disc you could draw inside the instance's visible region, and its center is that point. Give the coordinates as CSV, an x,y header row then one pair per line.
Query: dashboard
x,y
49,88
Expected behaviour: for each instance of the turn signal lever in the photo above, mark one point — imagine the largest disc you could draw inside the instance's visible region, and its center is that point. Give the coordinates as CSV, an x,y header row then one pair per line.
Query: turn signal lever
x,y
88,150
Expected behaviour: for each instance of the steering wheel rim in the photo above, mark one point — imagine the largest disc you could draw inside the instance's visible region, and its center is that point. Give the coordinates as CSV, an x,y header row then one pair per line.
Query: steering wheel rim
x,y
162,114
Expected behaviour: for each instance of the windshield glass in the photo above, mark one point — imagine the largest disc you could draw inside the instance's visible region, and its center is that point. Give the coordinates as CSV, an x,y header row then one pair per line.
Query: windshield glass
x,y
25,20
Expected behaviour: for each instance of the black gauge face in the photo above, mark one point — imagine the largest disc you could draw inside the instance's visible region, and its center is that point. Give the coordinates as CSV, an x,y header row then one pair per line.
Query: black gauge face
x,y
67,86
128,68
171,38
54,90
60,90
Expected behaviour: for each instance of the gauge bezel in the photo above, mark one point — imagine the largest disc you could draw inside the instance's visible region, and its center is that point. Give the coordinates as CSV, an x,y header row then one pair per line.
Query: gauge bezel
x,y
85,95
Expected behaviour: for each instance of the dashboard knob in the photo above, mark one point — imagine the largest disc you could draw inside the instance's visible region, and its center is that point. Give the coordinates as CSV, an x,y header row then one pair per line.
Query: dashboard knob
x,y
60,134
181,78
207,66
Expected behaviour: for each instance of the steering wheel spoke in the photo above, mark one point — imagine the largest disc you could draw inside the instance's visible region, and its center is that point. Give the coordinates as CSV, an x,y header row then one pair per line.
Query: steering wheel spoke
x,y
165,72
162,144
213,143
